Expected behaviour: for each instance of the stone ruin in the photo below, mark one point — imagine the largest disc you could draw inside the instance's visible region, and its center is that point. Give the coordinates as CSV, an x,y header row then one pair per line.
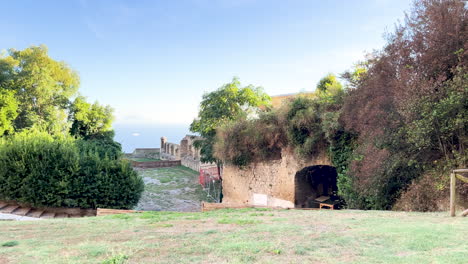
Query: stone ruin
x,y
185,152
153,153
287,182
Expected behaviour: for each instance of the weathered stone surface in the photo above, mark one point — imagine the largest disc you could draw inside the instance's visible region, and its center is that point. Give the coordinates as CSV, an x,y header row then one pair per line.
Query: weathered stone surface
x,y
275,179
185,152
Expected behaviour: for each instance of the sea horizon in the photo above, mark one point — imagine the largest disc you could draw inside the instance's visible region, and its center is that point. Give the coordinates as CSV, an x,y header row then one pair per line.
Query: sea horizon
x,y
132,136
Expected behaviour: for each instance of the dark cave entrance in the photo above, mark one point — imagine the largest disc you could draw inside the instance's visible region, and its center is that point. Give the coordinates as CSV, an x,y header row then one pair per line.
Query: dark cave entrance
x,y
313,182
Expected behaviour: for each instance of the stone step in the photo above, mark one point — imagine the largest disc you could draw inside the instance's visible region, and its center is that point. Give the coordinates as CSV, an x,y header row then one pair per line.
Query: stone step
x,y
9,209
47,215
35,213
74,216
22,211
86,214
3,204
61,215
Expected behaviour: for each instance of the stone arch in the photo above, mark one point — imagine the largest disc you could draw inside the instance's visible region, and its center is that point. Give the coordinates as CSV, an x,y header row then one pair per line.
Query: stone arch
x,y
312,182
172,150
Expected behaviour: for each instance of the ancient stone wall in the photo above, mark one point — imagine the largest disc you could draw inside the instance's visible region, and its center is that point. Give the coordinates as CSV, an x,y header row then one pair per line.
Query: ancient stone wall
x,y
153,153
270,183
156,164
169,151
190,156
185,152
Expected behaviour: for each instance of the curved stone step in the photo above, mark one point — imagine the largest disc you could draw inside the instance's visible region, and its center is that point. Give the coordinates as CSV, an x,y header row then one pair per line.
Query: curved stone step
x,y
22,211
35,213
61,215
47,215
9,209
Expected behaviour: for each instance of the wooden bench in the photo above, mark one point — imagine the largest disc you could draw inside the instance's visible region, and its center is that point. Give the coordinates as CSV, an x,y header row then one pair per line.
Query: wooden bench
x,y
329,205
325,202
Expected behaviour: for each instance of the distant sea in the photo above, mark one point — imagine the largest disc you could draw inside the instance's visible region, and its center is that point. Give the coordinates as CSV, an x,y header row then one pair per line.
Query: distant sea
x,y
148,135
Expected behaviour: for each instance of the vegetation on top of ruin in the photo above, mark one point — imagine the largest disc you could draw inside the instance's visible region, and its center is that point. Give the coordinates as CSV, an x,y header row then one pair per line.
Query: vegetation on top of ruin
x,y
230,102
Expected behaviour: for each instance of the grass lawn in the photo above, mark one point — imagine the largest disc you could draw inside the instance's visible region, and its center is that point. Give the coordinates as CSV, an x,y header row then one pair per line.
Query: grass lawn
x,y
240,236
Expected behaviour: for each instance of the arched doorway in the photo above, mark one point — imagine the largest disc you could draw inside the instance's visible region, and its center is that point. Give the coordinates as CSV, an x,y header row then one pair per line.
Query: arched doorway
x,y
313,182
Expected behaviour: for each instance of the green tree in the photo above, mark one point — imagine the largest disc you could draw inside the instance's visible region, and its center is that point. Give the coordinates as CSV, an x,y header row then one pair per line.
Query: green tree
x,y
355,76
8,111
90,120
229,102
42,87
329,89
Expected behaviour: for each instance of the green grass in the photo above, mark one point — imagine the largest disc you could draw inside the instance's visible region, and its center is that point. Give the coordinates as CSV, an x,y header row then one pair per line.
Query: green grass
x,y
240,236
119,259
10,244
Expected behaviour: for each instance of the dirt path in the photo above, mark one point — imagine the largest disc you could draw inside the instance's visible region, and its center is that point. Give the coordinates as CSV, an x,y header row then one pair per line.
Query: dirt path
x,y
171,189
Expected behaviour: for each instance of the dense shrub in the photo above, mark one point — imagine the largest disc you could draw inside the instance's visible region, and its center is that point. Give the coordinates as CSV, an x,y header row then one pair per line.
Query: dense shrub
x,y
430,193
105,147
303,126
41,170
409,109
306,125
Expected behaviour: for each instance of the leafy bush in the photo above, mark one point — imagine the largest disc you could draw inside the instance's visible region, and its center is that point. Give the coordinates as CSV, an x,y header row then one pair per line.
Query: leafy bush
x,y
105,147
118,259
245,141
41,170
409,109
297,125
303,126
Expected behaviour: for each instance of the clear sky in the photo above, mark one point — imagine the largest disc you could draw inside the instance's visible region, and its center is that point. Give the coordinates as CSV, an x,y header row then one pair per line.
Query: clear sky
x,y
152,60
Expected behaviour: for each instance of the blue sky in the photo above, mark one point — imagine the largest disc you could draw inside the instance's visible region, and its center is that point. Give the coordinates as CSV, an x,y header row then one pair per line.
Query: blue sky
x,y
153,60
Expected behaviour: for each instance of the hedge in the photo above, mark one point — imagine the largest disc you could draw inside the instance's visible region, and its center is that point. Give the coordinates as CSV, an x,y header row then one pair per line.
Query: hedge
x,y
44,171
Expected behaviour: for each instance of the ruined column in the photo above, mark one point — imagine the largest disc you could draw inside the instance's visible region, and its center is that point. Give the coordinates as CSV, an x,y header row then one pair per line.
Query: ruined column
x,y
163,144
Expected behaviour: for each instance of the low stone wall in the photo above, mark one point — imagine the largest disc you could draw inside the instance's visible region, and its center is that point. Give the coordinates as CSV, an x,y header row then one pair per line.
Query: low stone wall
x,y
269,184
195,164
156,164
153,153
166,156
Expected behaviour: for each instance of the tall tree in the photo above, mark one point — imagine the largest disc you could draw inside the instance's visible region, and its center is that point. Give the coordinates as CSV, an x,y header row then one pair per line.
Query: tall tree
x,y
329,89
406,108
8,111
90,120
42,87
229,102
